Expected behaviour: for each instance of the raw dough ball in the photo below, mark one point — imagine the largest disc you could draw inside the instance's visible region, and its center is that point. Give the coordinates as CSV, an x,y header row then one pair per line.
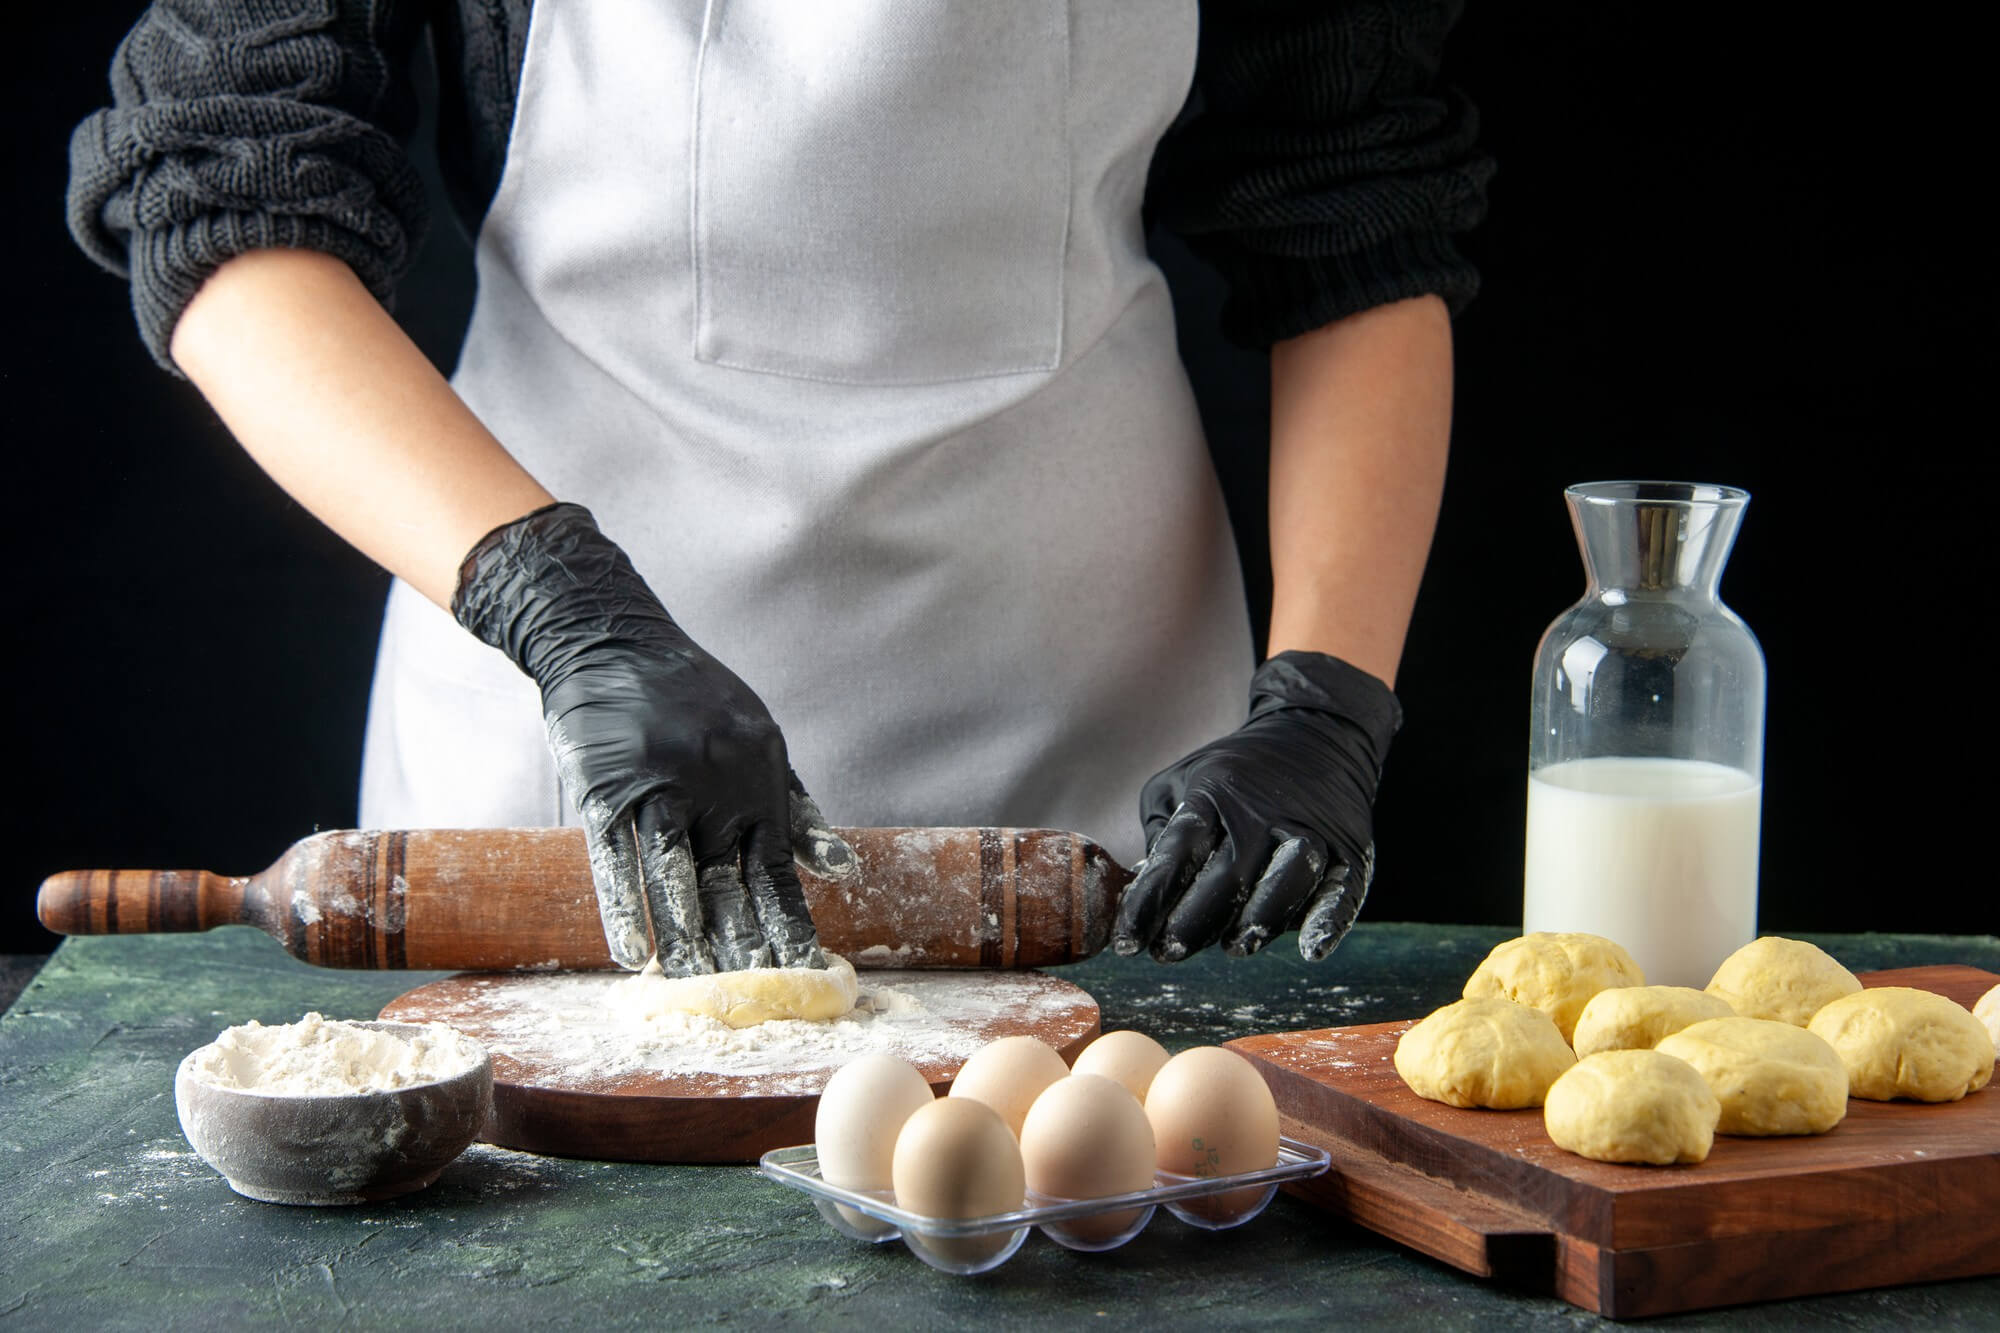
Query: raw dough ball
x,y
1483,1052
1900,1042
1987,1011
1634,1018
1787,981
1633,1106
1556,973
1771,1077
745,998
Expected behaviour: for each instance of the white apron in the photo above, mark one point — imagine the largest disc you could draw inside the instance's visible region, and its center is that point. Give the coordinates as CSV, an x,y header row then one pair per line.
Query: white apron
x,y
839,319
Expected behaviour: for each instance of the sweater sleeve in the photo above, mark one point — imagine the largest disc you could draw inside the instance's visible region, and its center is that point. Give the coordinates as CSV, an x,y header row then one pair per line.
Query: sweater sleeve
x,y
1322,167
238,125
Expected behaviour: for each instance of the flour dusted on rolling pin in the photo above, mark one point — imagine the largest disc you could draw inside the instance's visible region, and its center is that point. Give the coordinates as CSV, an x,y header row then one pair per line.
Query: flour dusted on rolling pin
x,y
315,1057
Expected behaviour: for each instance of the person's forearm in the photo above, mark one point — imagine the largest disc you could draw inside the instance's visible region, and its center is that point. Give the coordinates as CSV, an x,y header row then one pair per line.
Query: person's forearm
x,y
1360,426
330,397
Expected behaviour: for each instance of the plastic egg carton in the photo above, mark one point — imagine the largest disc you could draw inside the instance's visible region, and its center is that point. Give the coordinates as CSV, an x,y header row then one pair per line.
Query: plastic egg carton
x,y
967,1245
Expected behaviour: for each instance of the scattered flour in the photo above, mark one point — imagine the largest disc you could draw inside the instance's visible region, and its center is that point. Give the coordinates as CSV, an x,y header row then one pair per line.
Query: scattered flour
x,y
151,1173
315,1057
572,1030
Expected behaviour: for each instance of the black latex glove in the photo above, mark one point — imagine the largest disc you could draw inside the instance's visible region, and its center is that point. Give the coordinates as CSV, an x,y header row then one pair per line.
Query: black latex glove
x,y
690,809
1270,828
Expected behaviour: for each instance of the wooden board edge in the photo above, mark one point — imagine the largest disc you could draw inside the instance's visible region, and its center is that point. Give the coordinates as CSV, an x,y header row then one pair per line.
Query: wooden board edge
x,y
1472,1234
1786,1265
608,1128
1366,1127
1069,1050
1485,1239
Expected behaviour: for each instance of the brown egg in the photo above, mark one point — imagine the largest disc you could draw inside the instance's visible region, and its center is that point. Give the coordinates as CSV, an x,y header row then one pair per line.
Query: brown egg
x,y
1212,1115
1008,1075
957,1158
1086,1137
1130,1058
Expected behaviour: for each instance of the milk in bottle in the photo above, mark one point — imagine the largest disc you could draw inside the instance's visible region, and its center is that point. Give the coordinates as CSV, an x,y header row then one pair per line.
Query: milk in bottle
x,y
1645,756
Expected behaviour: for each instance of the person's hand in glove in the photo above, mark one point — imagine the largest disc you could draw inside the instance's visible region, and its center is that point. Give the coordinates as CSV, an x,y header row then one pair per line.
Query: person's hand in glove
x,y
690,808
1270,828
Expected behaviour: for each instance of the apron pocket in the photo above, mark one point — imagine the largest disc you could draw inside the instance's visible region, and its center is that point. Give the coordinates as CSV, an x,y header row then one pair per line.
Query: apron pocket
x,y
881,190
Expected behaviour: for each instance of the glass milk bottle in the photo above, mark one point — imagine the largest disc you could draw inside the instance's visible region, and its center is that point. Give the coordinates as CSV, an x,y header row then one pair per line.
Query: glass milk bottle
x,y
1646,760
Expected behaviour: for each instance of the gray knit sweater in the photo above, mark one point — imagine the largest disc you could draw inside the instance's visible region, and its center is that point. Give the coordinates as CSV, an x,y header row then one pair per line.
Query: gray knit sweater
x,y
1321,166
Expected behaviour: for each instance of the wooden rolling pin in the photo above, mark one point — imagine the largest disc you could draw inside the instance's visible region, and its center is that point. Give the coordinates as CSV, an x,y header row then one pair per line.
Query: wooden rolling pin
x,y
499,899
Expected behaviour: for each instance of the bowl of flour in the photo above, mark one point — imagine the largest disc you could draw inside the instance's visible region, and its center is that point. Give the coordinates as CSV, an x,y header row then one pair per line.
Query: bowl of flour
x,y
328,1112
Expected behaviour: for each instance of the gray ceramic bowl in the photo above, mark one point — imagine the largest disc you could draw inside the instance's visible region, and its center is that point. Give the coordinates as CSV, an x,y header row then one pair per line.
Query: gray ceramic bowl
x,y
352,1148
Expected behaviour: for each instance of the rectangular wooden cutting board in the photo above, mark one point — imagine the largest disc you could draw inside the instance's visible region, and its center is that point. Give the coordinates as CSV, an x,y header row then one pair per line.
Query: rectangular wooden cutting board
x,y
1897,1192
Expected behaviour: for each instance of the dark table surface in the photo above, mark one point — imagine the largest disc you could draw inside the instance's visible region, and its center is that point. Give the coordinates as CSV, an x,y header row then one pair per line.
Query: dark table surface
x,y
109,1220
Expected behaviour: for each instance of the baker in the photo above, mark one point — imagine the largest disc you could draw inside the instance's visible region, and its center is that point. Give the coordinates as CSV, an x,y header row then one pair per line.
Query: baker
x,y
820,414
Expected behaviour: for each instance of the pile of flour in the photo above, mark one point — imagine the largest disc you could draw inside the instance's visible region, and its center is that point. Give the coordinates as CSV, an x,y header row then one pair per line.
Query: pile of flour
x,y
315,1057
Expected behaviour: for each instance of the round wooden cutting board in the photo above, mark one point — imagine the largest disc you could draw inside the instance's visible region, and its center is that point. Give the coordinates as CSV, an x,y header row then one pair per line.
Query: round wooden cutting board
x,y
572,1078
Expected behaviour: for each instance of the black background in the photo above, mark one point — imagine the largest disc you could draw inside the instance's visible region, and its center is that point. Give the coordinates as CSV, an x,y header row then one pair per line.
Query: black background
x,y
1745,254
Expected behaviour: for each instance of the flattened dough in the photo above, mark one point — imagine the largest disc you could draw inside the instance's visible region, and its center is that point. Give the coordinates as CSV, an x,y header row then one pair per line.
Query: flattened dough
x,y
1900,1042
1786,981
1483,1052
1634,1018
1553,971
1633,1106
743,999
